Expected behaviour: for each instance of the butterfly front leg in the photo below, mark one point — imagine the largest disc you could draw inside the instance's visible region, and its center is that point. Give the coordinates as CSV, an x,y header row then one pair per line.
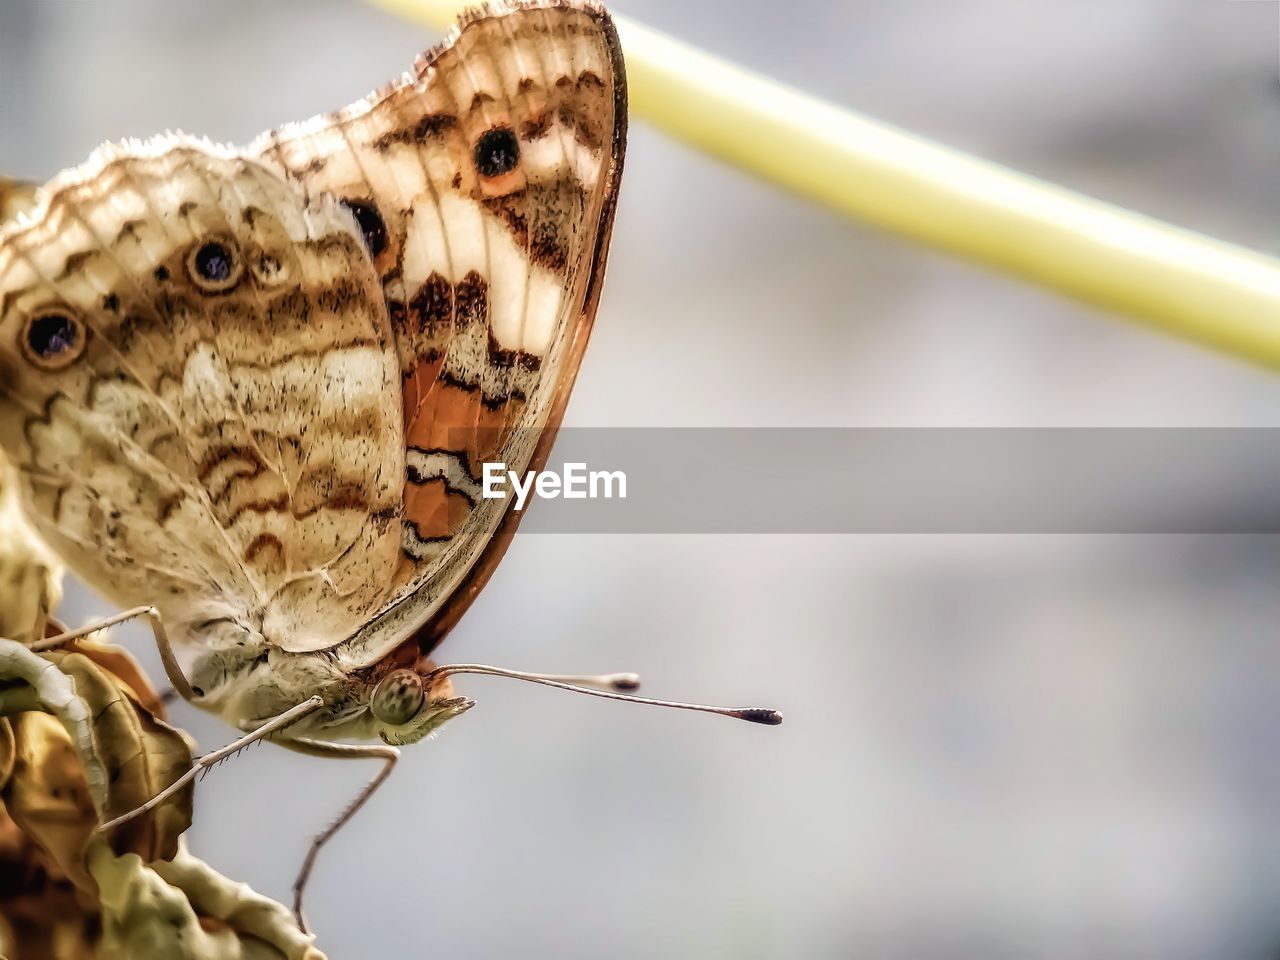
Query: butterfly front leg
x,y
266,729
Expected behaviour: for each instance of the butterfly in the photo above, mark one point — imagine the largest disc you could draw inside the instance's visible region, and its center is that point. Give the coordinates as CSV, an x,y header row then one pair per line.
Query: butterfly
x,y
250,391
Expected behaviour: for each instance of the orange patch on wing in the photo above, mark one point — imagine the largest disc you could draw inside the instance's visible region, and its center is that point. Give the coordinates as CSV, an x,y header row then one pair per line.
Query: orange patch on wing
x,y
433,509
417,387
447,420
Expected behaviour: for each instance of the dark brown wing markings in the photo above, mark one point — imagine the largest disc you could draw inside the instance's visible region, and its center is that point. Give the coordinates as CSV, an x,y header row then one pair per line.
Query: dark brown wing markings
x,y
430,126
430,311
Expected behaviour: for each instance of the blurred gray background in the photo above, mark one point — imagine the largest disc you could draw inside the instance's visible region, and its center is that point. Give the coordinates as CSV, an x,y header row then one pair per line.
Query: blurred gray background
x,y
1059,747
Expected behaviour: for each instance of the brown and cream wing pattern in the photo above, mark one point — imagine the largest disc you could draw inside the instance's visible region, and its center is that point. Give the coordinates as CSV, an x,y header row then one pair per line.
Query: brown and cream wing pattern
x,y
485,183
198,388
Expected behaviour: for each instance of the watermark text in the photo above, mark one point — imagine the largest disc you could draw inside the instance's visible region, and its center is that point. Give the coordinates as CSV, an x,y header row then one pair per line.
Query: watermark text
x,y
576,482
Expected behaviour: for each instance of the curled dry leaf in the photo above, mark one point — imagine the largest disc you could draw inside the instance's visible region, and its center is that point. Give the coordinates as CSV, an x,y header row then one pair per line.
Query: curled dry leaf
x,y
82,746
185,909
142,754
80,742
122,755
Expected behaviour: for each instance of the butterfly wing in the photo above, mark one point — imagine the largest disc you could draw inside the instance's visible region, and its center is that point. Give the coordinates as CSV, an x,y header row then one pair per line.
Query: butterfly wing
x,y
198,388
485,183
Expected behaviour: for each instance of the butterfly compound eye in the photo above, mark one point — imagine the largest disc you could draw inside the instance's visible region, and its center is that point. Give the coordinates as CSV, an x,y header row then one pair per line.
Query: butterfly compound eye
x,y
497,152
53,340
371,225
214,266
398,697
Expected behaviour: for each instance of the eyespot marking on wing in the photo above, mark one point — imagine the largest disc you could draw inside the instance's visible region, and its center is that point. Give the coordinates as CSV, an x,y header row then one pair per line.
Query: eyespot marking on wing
x,y
53,338
214,266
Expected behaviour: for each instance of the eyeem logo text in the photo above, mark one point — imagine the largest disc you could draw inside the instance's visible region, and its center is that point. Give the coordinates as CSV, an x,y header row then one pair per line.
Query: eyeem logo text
x,y
575,483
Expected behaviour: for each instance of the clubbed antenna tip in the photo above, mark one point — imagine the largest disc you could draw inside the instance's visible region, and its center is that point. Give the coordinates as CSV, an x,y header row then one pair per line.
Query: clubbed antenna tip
x,y
761,715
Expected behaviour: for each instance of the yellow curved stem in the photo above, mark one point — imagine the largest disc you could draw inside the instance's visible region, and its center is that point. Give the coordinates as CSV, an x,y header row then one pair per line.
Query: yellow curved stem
x,y
1218,294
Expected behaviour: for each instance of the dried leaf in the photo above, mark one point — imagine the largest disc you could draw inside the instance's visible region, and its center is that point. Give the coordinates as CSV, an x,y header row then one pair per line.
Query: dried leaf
x,y
142,755
47,797
206,916
30,573
40,909
75,893
102,756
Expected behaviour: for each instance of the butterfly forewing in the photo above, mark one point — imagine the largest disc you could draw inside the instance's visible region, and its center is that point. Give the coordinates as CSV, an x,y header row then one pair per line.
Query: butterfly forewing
x,y
485,182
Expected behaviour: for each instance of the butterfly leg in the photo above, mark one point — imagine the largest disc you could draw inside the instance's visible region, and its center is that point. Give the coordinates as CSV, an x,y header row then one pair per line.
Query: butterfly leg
x,y
274,725
323,748
152,616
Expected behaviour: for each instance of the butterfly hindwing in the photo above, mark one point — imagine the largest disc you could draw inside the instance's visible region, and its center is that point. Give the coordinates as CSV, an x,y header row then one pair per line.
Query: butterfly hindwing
x,y
197,387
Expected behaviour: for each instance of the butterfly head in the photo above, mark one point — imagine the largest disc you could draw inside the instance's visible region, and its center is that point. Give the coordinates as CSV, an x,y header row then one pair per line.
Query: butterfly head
x,y
410,703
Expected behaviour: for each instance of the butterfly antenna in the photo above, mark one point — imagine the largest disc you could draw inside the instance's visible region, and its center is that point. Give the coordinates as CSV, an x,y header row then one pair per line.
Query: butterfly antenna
x,y
607,687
